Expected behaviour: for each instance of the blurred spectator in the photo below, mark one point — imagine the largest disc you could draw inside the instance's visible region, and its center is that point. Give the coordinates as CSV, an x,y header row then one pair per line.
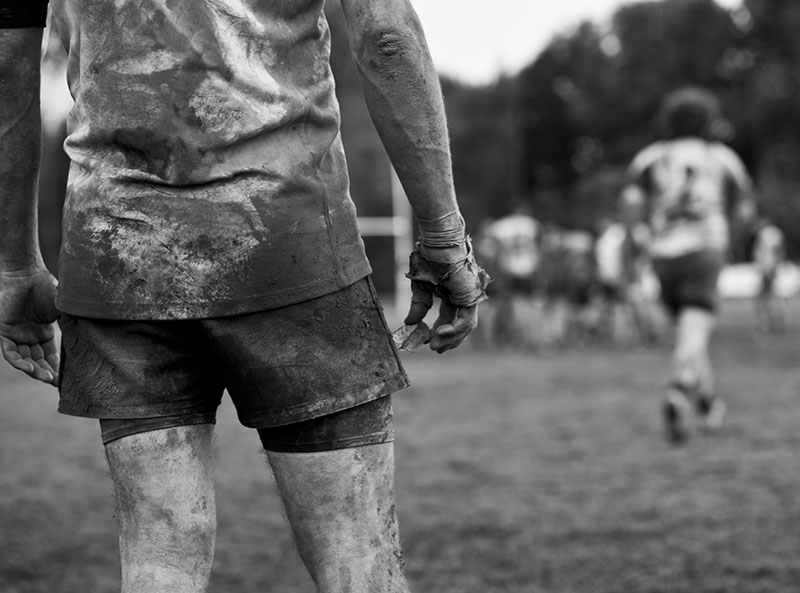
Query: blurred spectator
x,y
510,248
769,252
621,260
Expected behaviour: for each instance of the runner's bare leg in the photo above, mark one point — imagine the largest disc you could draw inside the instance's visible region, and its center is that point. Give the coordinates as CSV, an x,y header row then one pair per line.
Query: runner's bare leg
x,y
691,362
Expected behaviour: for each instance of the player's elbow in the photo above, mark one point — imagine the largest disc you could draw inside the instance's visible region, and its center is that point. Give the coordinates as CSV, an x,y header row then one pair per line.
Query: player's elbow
x,y
387,49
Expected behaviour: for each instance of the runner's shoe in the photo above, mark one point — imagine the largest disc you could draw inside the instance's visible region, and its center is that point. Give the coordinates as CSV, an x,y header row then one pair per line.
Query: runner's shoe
x,y
677,413
712,411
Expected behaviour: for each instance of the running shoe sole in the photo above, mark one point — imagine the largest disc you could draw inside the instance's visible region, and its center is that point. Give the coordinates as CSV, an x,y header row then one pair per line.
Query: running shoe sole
x,y
677,411
716,414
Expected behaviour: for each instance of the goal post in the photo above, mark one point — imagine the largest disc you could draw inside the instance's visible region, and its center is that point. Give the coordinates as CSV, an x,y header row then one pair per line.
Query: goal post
x,y
400,227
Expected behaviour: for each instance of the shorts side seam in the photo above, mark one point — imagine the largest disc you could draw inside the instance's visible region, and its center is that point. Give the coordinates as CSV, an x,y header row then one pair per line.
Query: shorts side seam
x,y
389,339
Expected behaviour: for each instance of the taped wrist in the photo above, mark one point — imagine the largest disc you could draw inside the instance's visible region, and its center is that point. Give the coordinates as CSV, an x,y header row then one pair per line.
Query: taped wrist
x,y
443,239
462,283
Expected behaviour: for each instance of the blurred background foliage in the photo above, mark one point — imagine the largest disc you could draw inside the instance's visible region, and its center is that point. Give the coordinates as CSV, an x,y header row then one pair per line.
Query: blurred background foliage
x,y
558,135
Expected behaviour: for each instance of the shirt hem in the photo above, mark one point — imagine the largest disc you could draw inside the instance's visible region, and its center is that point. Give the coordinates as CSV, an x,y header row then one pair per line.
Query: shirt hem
x,y
164,311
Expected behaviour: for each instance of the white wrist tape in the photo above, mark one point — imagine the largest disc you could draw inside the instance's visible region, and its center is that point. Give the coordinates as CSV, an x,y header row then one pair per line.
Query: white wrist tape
x,y
448,230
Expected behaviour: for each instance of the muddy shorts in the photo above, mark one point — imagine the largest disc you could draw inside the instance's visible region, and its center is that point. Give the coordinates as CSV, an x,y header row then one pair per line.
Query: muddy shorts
x,y
311,376
689,280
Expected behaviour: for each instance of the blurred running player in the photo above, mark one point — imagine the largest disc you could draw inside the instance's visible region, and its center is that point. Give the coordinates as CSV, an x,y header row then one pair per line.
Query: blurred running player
x,y
690,188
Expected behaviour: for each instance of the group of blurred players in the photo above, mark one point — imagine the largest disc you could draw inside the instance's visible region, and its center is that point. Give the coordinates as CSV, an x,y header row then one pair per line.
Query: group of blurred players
x,y
557,287
554,286
654,266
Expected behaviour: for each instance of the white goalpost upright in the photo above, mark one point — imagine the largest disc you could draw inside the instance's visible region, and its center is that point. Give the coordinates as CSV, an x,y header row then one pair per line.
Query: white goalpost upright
x,y
398,226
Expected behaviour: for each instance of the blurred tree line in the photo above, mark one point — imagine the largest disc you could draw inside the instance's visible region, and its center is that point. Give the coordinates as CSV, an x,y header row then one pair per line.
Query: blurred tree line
x,y
558,135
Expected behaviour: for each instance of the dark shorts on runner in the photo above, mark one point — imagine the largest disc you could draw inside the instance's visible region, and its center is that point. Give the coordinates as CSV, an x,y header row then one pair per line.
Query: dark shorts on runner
x,y
611,292
311,376
768,282
689,280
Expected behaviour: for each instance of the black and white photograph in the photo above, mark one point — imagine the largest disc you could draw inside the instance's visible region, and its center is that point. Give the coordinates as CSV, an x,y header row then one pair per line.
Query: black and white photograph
x,y
399,296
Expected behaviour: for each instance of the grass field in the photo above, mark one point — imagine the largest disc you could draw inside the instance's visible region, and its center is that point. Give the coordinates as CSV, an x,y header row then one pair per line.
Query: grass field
x,y
515,474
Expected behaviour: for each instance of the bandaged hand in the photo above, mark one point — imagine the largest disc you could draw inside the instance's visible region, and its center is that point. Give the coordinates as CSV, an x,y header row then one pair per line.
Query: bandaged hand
x,y
453,275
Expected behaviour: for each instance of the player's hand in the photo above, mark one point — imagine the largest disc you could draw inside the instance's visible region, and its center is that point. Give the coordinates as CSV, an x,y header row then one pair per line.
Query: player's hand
x,y
27,316
452,326
460,286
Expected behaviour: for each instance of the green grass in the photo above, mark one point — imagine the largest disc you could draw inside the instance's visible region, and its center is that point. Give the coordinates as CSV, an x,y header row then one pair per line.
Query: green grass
x,y
514,474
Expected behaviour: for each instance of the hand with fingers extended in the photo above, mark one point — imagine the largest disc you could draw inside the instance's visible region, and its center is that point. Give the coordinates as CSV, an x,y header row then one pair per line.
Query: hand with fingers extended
x,y
27,316
460,285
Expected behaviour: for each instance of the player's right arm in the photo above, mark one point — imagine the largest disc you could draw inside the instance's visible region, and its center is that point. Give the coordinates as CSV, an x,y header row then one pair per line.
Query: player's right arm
x,y
27,290
404,98
740,201
634,197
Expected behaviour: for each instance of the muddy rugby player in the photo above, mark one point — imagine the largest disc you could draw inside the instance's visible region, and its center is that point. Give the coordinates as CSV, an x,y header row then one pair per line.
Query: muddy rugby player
x,y
210,243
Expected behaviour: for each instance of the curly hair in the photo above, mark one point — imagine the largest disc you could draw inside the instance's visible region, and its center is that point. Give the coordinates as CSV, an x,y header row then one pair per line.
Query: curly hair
x,y
689,111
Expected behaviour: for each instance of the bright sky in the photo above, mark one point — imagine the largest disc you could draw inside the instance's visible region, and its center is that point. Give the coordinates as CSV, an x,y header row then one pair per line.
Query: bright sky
x,y
475,41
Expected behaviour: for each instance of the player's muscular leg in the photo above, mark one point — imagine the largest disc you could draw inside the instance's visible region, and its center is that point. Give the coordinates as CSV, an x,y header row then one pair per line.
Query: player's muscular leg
x,y
341,508
691,362
164,502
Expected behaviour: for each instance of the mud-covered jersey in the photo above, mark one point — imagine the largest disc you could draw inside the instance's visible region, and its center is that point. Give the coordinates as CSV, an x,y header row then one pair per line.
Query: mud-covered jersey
x,y
208,176
688,183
